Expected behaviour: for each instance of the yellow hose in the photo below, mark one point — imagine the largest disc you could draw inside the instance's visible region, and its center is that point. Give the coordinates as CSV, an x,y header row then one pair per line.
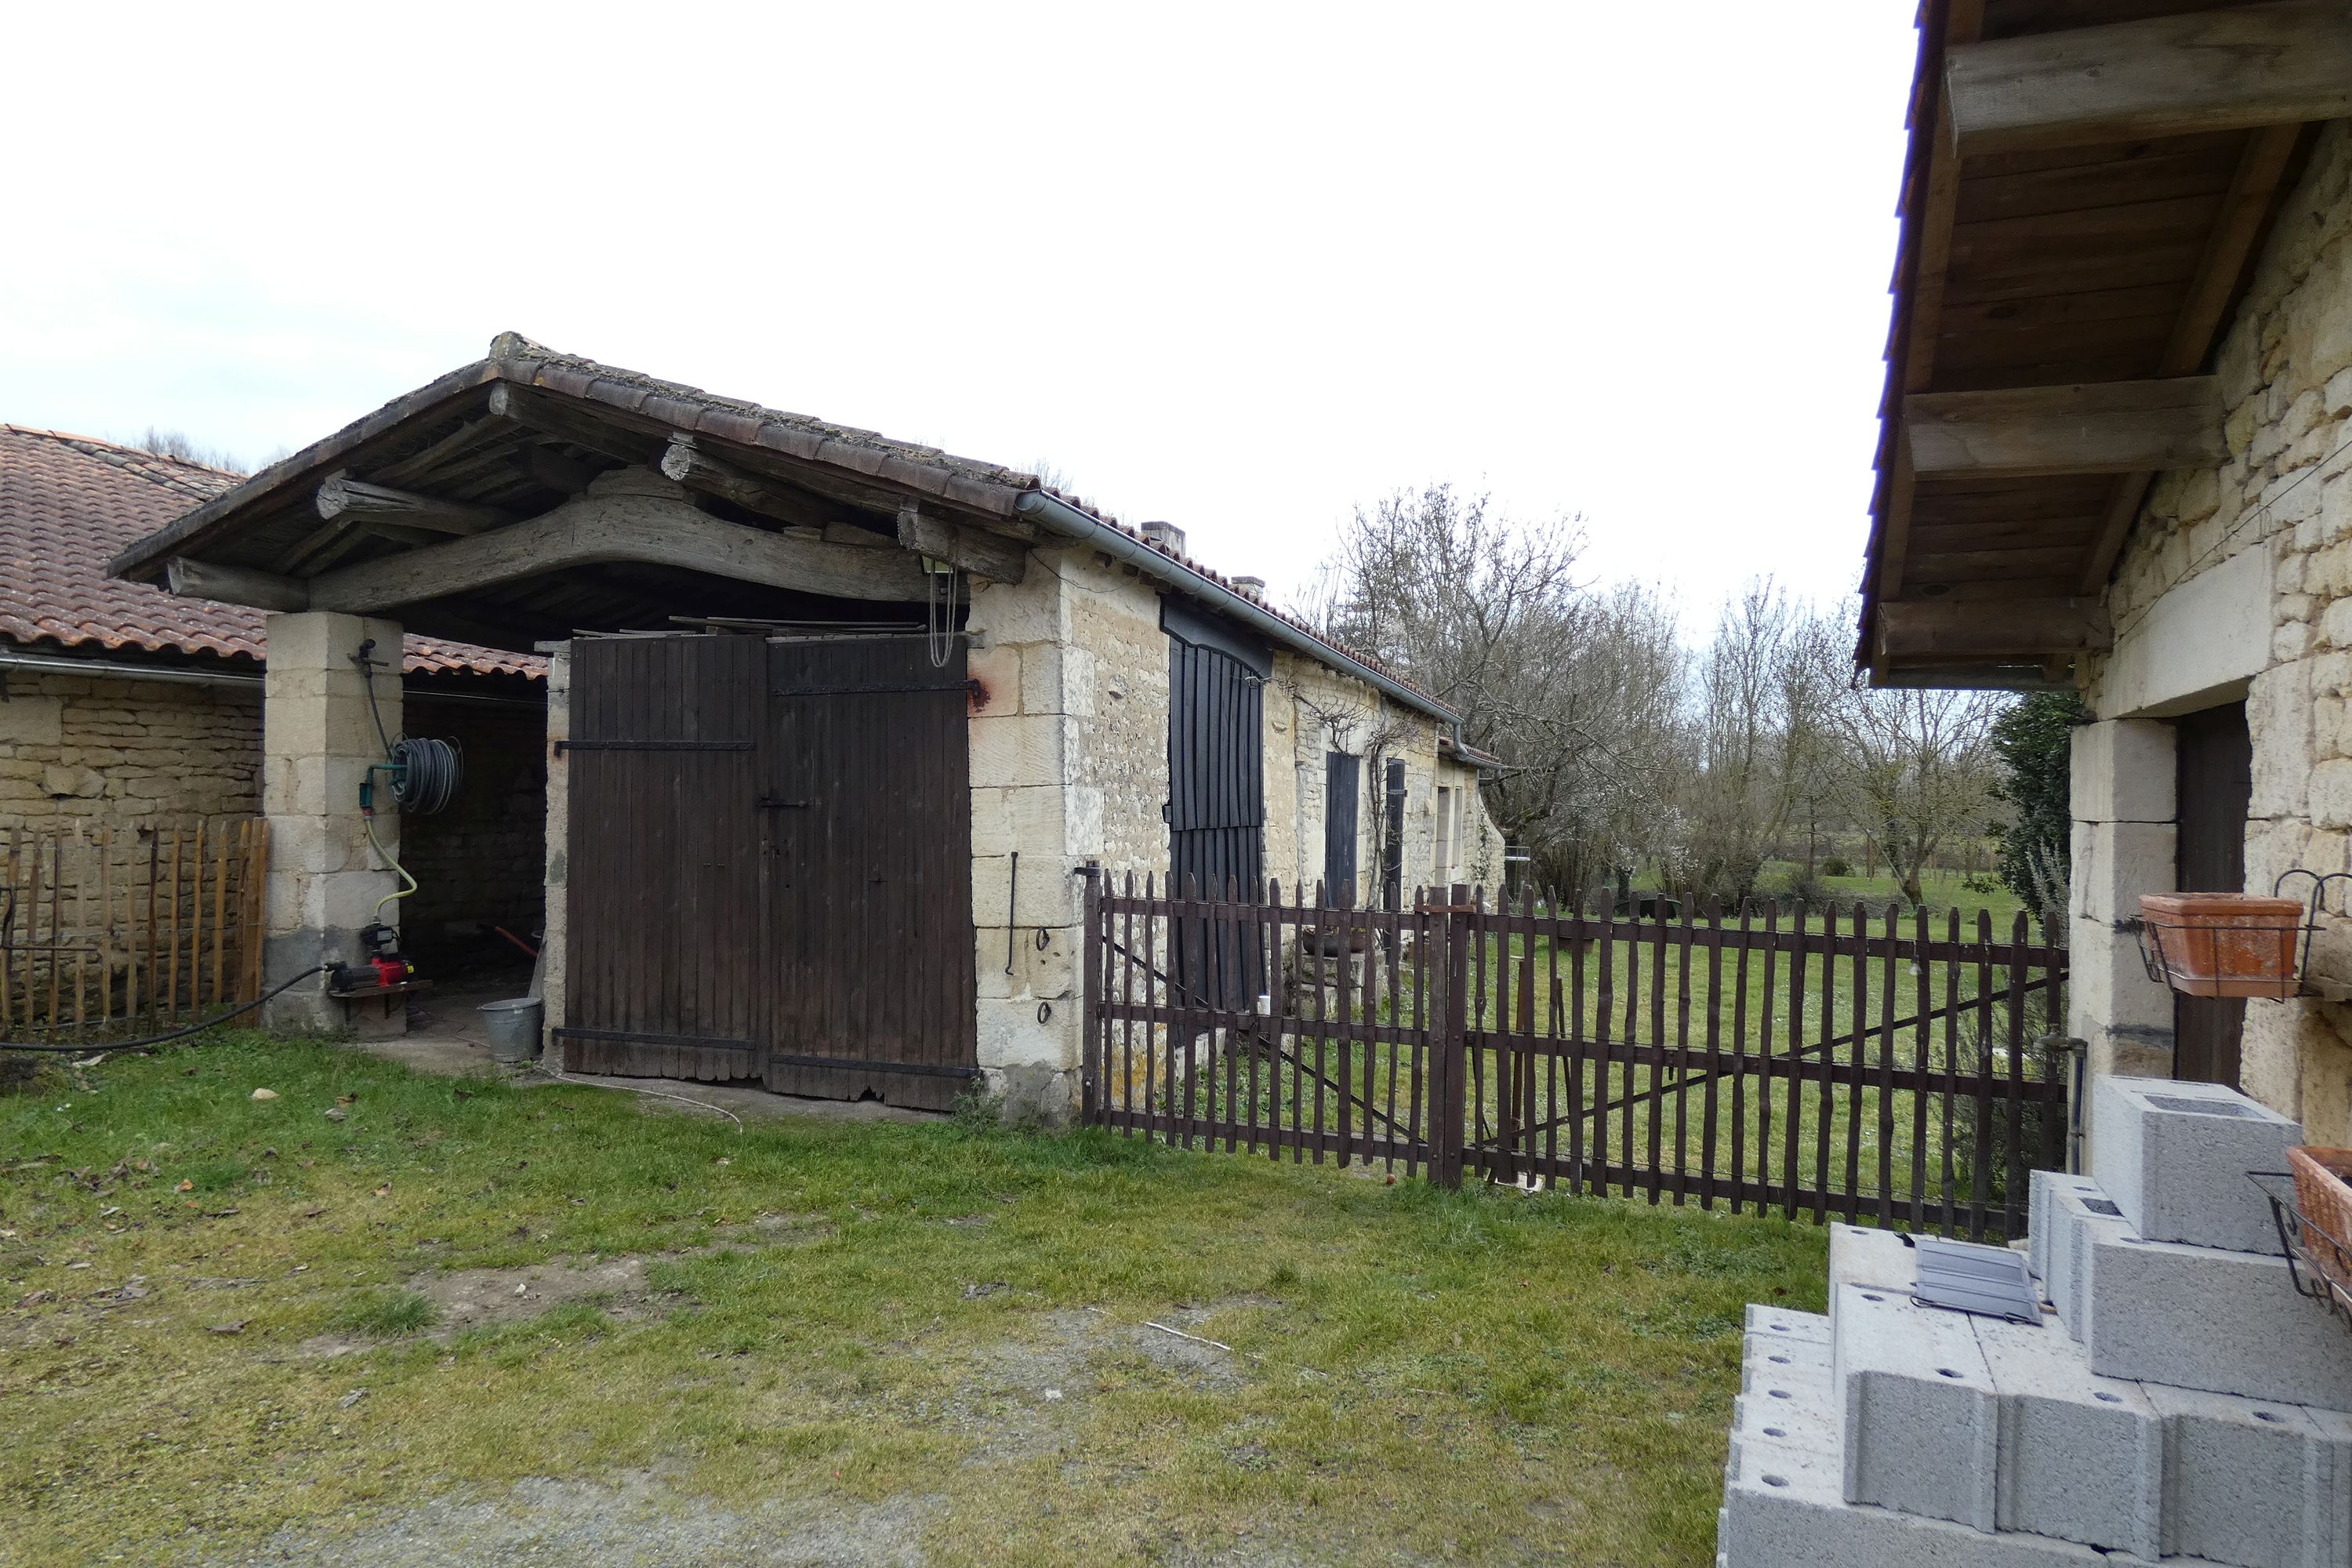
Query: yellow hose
x,y
369,818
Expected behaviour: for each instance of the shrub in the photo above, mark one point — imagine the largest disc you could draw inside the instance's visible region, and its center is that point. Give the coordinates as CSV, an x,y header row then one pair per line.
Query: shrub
x,y
1836,866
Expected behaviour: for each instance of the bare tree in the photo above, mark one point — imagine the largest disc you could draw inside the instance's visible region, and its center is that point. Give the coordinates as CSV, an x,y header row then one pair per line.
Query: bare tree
x,y
1918,772
179,445
1575,691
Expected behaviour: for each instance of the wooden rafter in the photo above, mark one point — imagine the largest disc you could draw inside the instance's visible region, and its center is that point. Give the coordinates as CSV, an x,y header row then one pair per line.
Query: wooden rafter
x,y
2230,68
1991,628
2108,427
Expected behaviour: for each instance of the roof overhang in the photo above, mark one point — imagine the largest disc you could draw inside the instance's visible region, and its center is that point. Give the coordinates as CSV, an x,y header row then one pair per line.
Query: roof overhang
x,y
533,493
2085,195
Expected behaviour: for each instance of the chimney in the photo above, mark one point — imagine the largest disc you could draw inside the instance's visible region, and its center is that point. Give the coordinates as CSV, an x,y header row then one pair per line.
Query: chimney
x,y
1167,535
1251,588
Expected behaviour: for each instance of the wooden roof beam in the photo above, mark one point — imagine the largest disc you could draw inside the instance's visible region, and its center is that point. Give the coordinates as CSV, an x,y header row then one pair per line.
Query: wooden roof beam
x,y
972,550
2107,427
686,462
2229,69
633,516
2025,629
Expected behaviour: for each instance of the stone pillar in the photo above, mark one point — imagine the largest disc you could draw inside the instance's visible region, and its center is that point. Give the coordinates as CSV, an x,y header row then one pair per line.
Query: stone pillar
x,y
552,951
319,740
1035,690
2125,845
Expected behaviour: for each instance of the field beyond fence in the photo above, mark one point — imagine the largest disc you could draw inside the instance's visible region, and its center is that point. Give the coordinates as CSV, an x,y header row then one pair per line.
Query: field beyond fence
x,y
1815,1060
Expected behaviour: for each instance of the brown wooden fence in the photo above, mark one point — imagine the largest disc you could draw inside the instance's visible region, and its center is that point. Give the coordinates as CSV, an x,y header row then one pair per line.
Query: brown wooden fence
x,y
1815,1061
105,932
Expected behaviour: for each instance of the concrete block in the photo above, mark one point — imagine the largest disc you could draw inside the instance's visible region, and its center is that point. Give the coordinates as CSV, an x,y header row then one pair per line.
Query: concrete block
x,y
2080,1456
2202,1318
2245,1482
1781,1321
2174,1157
2041,1218
1920,1431
1788,1398
2123,771
1861,1254
1763,1358
1781,1509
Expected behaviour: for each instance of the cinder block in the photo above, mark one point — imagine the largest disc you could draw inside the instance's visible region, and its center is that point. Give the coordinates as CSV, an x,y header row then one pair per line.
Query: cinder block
x,y
2122,771
2246,1482
1781,1321
1860,1255
2328,1519
2043,1221
2078,1215
1781,1509
2080,1456
1919,1431
2174,1157
1763,1358
2202,1318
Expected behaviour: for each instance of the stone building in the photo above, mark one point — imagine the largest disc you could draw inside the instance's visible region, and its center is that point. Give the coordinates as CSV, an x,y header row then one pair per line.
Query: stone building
x,y
837,724
127,709
2116,461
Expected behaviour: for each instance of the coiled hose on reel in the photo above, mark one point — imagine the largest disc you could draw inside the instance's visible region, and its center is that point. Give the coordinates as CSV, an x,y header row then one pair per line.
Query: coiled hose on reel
x,y
425,773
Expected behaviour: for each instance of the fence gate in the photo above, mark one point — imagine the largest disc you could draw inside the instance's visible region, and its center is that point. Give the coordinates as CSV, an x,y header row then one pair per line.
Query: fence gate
x,y
1813,1060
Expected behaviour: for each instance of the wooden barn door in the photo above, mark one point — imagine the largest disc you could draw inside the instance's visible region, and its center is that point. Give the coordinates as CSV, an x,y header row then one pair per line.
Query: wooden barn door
x,y
665,860
1216,799
866,814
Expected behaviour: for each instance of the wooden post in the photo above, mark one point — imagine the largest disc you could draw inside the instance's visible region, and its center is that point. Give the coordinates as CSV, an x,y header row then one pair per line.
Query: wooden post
x,y
1447,1058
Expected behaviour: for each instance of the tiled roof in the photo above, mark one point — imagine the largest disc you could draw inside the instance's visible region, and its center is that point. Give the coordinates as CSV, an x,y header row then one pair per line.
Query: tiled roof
x,y
68,503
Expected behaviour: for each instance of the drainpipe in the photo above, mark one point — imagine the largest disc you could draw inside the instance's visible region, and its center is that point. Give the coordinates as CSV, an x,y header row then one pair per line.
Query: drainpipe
x,y
1071,524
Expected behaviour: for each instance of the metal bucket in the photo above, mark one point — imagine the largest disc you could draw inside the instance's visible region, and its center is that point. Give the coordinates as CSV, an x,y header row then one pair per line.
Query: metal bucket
x,y
513,1027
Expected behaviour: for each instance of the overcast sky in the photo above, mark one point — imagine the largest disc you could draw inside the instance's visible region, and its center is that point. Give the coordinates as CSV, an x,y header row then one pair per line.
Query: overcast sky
x,y
1242,268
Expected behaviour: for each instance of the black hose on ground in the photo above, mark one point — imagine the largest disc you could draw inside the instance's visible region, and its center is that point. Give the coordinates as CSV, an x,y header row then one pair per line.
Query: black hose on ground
x,y
95,1046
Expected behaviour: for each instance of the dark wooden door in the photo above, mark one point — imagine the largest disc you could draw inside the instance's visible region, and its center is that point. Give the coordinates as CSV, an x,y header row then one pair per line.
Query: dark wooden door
x,y
1216,804
1343,798
865,808
663,858
2215,787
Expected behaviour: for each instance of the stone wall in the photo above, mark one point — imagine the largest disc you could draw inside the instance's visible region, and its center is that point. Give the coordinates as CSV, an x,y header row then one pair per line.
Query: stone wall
x,y
1069,764
481,861
2237,581
105,750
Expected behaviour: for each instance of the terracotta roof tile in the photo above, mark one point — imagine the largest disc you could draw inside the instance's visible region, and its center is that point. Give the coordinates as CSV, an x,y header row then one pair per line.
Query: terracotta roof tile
x,y
68,503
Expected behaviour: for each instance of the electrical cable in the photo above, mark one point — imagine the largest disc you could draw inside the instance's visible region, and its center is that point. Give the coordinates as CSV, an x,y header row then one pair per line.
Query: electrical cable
x,y
174,1035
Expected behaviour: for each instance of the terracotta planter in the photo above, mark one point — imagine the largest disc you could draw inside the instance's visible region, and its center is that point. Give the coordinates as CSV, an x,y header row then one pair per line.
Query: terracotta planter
x,y
2226,945
2322,1193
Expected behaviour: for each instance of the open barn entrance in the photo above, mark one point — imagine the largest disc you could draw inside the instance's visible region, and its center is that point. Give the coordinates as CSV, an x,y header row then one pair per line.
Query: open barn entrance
x,y
770,846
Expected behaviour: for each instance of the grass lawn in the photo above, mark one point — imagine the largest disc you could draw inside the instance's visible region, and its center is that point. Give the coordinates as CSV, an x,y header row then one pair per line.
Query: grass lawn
x,y
816,1342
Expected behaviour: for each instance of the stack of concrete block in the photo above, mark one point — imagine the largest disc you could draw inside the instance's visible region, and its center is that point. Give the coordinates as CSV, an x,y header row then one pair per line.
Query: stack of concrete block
x,y
2179,1402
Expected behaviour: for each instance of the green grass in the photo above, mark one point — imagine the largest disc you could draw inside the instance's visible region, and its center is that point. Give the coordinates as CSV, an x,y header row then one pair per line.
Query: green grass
x,y
1944,890
830,1313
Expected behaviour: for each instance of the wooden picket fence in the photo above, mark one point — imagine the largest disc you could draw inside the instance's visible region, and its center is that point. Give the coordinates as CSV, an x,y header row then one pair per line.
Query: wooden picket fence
x,y
1817,1061
106,932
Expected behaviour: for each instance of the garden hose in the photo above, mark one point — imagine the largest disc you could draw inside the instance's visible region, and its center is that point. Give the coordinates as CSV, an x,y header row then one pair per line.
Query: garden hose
x,y
369,818
174,1035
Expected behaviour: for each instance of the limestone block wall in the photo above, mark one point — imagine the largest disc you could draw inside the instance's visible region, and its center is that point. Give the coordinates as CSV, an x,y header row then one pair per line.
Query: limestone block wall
x,y
319,740
2238,581
127,754
555,857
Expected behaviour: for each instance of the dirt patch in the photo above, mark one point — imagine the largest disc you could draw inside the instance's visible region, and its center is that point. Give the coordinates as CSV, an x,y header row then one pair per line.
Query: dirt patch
x,y
484,1298
635,1519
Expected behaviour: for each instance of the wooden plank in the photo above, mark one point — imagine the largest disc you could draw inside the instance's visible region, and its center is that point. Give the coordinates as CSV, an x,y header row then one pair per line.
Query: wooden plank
x,y
1941,628
2229,252
2112,428
2167,75
640,520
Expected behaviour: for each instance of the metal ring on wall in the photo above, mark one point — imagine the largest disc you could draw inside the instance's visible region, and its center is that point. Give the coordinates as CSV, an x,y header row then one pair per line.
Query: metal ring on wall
x,y
1045,1012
